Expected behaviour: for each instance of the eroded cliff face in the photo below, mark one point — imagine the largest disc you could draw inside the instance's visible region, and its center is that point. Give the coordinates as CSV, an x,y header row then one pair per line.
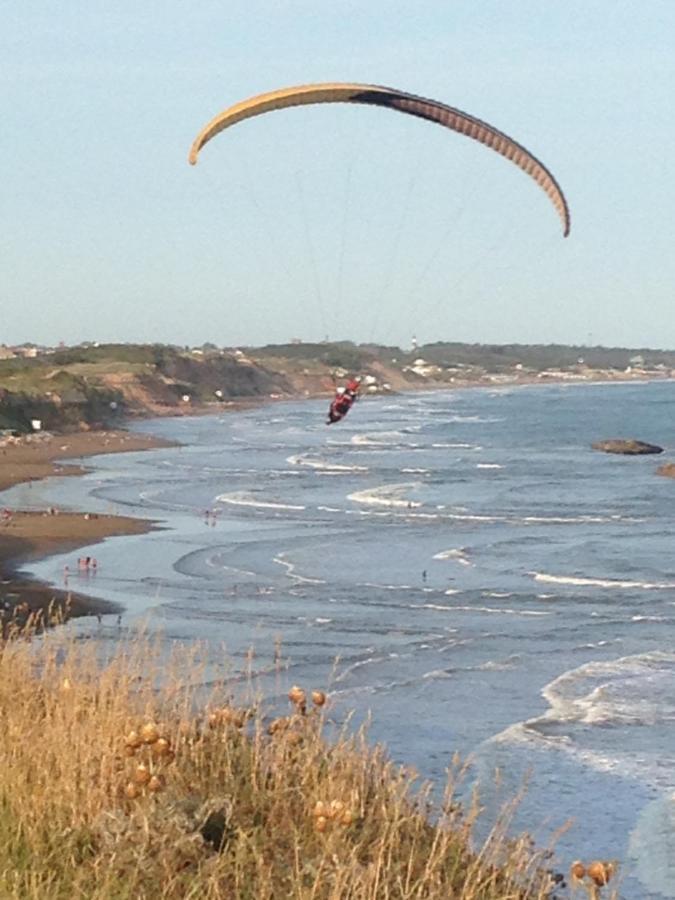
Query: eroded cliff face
x,y
98,386
79,391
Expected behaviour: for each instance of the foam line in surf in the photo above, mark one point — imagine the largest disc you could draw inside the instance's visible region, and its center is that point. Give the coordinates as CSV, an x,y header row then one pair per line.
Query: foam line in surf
x,y
381,439
281,560
630,690
391,495
322,465
457,554
243,499
584,581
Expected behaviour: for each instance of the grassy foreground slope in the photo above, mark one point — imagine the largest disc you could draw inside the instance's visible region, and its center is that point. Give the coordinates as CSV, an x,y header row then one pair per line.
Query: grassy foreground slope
x,y
119,784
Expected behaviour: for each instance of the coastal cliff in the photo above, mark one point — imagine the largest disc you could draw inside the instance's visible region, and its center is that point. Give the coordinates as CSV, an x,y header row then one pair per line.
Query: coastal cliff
x,y
99,386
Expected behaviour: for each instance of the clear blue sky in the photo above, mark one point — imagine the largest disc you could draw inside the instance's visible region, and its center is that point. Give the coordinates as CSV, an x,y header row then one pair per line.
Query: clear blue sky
x,y
353,222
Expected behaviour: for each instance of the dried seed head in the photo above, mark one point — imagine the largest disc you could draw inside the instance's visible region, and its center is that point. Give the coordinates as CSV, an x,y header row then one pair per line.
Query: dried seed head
x,y
294,738
157,783
347,817
133,739
215,718
577,871
66,685
142,775
319,808
321,823
297,695
336,808
161,747
600,872
149,733
129,750
318,698
132,791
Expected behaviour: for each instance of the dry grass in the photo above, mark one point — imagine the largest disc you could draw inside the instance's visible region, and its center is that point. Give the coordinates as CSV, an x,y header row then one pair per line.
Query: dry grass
x,y
118,781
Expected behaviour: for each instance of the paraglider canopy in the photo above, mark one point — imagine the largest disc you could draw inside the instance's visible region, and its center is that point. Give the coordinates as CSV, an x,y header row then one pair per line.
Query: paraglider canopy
x,y
431,110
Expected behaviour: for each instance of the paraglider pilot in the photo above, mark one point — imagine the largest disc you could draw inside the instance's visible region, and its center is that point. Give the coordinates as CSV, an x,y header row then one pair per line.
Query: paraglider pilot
x,y
343,400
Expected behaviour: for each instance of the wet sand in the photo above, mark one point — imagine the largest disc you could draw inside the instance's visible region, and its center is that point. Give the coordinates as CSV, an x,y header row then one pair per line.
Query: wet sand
x,y
38,455
31,535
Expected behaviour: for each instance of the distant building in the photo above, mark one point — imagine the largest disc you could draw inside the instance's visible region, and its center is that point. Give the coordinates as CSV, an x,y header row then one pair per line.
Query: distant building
x,y
28,352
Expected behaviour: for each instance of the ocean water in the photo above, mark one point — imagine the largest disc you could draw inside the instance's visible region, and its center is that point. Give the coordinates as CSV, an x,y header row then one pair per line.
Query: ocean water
x,y
461,564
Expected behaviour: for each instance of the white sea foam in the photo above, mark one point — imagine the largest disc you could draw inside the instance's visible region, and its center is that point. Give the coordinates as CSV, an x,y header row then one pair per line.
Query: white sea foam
x,y
290,571
241,498
500,665
391,495
573,520
488,466
391,515
455,446
437,606
582,581
415,471
322,465
630,690
389,587
483,609
457,554
357,665
472,419
380,439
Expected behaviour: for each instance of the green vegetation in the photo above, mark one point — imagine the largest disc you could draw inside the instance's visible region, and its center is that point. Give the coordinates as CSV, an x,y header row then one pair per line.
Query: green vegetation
x,y
120,780
342,354
95,386
538,357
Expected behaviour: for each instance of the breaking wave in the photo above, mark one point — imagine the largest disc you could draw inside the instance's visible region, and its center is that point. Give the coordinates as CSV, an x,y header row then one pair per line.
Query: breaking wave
x,y
391,495
240,498
582,581
322,465
457,554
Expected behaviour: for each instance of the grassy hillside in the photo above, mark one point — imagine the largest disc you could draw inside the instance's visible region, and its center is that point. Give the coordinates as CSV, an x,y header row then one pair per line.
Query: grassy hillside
x,y
121,780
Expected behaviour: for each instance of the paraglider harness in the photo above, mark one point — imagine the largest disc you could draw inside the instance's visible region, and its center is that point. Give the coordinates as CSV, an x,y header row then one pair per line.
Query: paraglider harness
x,y
343,401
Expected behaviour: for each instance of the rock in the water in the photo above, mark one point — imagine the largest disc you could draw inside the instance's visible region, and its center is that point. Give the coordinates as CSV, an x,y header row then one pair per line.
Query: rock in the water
x,y
627,447
667,469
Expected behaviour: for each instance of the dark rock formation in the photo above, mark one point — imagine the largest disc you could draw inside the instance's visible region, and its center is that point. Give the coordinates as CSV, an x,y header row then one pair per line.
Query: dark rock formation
x,y
626,447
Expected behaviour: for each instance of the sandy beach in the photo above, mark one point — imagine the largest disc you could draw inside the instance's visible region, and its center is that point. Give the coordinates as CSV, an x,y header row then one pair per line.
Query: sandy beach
x,y
31,535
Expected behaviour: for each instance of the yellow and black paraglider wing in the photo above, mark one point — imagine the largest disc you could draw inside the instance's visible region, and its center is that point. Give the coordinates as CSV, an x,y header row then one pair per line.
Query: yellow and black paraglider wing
x,y
432,110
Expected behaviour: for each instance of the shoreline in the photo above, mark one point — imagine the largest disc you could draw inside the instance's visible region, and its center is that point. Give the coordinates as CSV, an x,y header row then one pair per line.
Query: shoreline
x,y
36,534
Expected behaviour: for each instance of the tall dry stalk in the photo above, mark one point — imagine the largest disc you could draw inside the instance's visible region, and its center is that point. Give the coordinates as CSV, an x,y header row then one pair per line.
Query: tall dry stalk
x,y
118,781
